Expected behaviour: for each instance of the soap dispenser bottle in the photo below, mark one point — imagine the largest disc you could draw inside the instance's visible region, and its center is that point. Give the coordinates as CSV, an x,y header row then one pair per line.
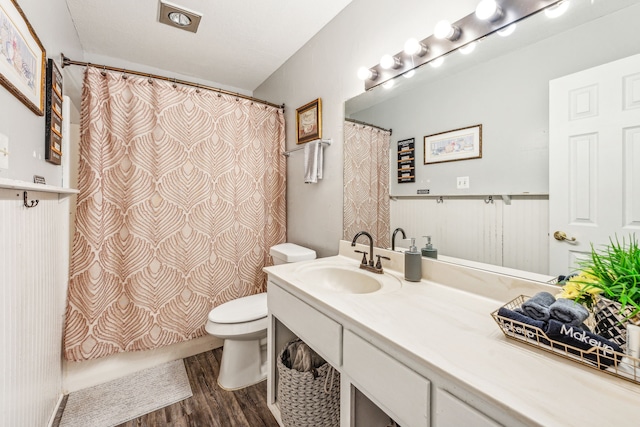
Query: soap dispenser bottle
x,y
413,263
429,250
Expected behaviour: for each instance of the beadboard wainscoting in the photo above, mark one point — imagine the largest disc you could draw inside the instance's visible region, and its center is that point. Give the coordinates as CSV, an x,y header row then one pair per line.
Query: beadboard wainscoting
x,y
34,274
510,234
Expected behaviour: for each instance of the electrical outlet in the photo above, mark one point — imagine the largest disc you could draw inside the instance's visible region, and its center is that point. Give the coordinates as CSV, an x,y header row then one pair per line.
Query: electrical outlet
x,y
462,182
4,152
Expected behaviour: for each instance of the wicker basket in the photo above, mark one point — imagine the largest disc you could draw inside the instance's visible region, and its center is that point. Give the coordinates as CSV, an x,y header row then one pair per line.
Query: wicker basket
x,y
307,400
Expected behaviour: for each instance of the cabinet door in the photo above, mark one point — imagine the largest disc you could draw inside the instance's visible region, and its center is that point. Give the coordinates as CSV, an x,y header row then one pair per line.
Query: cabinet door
x,y
452,412
320,332
400,392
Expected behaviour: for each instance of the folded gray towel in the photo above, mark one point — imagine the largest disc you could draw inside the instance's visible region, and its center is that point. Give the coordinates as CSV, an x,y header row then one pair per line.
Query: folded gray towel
x,y
537,307
568,311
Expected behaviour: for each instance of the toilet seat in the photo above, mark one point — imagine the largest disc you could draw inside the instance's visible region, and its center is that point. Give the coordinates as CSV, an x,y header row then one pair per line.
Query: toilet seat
x,y
245,309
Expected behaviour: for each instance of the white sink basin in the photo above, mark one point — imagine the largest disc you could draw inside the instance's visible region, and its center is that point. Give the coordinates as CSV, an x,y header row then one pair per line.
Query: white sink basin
x,y
345,279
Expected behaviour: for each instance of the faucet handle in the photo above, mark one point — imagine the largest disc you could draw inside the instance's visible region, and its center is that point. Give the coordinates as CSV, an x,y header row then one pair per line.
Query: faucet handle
x,y
379,264
364,256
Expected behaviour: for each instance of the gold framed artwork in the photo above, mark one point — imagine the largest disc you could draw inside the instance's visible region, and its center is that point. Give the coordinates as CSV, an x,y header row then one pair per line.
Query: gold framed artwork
x,y
309,122
22,57
453,145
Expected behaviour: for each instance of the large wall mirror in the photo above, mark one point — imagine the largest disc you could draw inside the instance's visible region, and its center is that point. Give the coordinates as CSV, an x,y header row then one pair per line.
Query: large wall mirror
x,y
502,218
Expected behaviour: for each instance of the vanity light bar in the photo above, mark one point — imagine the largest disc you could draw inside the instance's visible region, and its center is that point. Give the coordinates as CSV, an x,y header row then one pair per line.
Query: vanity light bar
x,y
471,29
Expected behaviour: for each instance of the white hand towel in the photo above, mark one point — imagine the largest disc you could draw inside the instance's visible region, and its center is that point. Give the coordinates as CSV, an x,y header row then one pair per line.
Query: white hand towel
x,y
320,150
313,159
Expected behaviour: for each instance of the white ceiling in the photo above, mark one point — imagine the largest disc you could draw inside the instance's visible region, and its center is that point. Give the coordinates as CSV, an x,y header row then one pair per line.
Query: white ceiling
x,y
239,43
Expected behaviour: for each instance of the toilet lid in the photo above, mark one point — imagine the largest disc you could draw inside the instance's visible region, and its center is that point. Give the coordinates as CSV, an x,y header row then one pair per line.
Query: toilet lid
x,y
240,310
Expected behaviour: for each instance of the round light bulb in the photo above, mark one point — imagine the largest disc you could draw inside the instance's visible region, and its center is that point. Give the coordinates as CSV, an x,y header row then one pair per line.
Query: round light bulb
x,y
437,62
465,50
388,84
412,46
179,19
409,74
443,30
386,62
507,31
557,10
488,10
364,73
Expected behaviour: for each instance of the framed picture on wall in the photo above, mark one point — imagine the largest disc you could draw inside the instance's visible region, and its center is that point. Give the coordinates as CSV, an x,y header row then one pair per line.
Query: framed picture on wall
x,y
53,122
453,145
309,122
22,57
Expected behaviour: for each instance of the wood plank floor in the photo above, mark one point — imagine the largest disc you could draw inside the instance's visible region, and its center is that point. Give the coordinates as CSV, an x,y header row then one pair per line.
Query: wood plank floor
x,y
211,406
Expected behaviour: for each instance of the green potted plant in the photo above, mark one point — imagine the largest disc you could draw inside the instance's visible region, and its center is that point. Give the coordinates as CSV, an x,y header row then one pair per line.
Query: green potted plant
x,y
615,272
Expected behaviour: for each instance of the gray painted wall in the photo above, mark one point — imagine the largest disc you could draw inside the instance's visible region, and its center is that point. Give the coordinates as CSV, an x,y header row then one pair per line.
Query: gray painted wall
x,y
52,23
326,68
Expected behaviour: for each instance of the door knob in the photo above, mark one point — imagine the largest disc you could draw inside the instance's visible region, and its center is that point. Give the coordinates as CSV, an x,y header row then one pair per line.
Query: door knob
x,y
561,235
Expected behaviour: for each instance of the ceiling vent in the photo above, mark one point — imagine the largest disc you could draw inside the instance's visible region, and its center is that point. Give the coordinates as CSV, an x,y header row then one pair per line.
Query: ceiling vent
x,y
179,17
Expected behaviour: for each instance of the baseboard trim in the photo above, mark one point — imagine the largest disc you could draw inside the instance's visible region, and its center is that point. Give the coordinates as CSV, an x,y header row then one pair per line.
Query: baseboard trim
x,y
56,415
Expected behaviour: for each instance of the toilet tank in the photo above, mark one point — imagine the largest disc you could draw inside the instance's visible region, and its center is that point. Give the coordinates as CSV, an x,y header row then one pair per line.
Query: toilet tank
x,y
290,252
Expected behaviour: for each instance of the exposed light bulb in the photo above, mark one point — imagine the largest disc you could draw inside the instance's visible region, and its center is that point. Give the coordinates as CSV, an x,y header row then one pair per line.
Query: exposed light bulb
x,y
488,10
507,31
413,46
409,74
437,62
386,62
557,10
467,49
365,73
444,30
388,84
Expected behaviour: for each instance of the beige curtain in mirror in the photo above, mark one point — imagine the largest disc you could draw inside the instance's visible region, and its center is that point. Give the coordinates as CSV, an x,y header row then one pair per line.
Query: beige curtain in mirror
x,y
366,182
182,192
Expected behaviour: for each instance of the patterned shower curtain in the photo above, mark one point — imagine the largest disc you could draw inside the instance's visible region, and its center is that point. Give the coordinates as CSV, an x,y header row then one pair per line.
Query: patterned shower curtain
x,y
182,192
366,182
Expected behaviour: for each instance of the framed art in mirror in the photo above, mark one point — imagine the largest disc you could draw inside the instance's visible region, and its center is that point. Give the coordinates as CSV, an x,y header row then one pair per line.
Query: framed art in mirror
x,y
309,122
22,57
458,144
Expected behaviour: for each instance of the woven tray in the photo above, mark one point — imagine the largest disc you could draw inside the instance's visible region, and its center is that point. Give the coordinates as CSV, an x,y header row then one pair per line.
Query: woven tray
x,y
622,366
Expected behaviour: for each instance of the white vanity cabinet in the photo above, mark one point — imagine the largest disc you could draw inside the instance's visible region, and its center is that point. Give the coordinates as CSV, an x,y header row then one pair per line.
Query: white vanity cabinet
x,y
400,392
319,331
382,386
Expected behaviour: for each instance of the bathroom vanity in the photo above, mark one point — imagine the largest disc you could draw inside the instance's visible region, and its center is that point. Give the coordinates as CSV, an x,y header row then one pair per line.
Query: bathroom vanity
x,y
429,353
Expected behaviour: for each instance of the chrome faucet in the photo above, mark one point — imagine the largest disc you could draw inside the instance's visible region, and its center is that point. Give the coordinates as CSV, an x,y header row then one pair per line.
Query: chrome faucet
x,y
370,265
393,238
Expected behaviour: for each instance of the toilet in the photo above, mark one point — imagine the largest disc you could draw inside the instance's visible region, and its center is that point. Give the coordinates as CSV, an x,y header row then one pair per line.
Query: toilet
x,y
242,324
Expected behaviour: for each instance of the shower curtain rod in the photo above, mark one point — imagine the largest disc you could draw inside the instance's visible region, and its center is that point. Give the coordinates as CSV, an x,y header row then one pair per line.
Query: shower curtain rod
x,y
66,62
358,122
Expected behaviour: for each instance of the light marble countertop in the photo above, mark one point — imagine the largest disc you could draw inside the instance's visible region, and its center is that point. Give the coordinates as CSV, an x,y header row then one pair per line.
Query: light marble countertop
x,y
442,325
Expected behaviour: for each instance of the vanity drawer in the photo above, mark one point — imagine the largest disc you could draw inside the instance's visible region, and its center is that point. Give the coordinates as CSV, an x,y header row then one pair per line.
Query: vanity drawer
x,y
317,330
452,412
398,390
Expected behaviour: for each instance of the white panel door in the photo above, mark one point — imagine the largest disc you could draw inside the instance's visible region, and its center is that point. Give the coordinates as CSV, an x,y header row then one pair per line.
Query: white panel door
x,y
594,159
